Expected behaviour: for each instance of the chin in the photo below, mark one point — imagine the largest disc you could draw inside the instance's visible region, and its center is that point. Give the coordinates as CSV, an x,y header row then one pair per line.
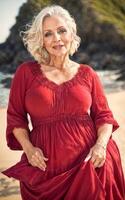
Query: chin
x,y
58,53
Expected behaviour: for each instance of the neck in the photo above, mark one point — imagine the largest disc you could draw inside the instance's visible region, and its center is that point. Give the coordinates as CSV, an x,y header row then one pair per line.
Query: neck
x,y
59,62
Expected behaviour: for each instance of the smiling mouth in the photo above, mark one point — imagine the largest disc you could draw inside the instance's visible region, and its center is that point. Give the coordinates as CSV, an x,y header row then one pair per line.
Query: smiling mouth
x,y
58,47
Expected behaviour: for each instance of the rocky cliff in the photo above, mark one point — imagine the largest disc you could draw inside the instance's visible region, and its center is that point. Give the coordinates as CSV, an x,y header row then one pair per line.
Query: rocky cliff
x,y
100,25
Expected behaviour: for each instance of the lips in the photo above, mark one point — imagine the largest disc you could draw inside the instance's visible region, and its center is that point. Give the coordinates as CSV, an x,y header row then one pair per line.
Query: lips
x,y
57,47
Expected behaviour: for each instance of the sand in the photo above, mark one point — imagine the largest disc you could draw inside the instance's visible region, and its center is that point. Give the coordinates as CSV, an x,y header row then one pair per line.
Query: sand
x,y
9,188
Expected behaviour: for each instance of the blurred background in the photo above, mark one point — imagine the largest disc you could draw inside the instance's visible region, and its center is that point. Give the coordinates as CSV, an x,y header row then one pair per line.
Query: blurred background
x,y
101,26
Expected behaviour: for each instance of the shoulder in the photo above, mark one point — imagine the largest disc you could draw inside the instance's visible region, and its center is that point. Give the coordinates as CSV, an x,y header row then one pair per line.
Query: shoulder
x,y
27,69
24,72
89,75
87,68
88,71
26,66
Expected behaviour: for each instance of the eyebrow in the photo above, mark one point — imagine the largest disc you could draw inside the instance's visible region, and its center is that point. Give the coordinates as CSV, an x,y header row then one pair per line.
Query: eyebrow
x,y
57,28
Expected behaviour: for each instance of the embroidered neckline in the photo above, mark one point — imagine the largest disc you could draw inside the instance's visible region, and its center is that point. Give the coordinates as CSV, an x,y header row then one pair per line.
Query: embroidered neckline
x,y
53,85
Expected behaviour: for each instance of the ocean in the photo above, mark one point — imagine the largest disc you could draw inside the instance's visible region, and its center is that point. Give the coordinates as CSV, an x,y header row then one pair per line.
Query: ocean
x,y
4,92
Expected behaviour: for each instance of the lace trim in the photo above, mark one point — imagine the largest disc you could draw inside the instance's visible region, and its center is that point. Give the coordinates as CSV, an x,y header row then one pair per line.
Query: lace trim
x,y
81,77
60,117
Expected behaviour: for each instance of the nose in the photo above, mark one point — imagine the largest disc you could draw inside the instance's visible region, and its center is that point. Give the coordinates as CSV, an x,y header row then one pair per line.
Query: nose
x,y
56,36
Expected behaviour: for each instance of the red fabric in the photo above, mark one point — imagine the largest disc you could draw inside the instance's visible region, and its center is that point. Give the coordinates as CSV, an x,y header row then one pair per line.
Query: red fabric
x,y
65,119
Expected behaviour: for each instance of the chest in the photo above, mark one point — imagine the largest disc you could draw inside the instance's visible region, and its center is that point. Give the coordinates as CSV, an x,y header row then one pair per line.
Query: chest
x,y
70,99
60,76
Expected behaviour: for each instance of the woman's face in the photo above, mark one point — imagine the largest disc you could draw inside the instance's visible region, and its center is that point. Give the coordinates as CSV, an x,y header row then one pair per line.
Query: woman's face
x,y
56,36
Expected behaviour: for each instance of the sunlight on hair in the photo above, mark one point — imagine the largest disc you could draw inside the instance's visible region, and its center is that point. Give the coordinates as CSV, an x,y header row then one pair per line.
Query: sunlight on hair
x,y
33,35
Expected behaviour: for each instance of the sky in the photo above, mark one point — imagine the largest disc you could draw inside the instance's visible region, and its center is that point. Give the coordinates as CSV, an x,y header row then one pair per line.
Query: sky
x,y
8,11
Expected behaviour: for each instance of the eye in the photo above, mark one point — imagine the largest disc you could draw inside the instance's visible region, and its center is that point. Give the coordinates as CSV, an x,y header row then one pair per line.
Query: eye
x,y
47,34
62,30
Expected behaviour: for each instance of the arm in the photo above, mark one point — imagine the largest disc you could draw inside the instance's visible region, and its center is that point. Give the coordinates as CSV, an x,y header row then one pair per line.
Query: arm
x,y
103,119
22,137
16,111
17,132
103,134
97,153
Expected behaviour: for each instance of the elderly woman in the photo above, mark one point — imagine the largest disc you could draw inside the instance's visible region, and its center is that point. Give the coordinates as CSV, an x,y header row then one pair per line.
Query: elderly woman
x,y
69,152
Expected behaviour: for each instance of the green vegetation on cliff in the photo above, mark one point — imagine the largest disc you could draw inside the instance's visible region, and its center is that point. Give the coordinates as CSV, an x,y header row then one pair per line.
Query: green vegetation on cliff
x,y
112,12
101,26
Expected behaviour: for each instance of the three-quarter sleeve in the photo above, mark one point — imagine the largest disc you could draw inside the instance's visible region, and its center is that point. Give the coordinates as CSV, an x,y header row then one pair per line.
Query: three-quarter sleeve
x,y
100,111
16,112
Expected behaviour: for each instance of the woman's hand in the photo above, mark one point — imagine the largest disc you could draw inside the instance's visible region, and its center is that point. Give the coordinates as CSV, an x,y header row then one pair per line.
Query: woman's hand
x,y
34,154
97,155
36,158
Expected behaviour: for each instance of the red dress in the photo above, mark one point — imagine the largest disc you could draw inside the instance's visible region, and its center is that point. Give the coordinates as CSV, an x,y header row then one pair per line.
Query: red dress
x,y
65,119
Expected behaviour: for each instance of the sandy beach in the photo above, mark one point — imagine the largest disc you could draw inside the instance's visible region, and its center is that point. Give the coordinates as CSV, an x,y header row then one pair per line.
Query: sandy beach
x,y
9,188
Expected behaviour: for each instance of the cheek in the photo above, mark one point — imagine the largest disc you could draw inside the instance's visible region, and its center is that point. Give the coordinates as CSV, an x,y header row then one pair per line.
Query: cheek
x,y
68,38
47,42
67,42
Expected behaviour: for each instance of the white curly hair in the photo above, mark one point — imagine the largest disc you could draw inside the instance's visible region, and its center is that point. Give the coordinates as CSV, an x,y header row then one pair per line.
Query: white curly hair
x,y
33,36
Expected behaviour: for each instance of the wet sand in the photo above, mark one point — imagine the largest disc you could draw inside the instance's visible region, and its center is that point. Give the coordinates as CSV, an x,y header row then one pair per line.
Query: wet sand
x,y
9,188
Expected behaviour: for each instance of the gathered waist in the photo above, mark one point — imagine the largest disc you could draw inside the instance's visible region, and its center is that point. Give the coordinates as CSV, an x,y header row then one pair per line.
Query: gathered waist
x,y
61,117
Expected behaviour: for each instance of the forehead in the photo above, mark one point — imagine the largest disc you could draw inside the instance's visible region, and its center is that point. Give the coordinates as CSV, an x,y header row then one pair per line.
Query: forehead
x,y
53,22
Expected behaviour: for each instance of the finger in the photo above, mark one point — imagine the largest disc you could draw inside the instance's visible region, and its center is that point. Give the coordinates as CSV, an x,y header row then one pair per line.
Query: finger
x,y
88,156
42,168
40,163
40,158
40,152
93,159
96,157
36,163
32,163
46,159
96,163
101,164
